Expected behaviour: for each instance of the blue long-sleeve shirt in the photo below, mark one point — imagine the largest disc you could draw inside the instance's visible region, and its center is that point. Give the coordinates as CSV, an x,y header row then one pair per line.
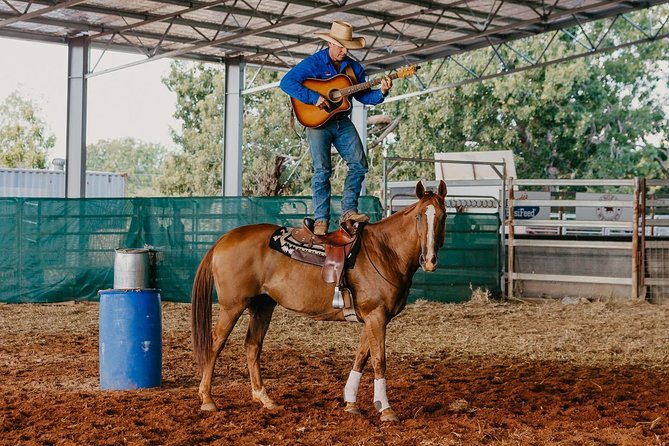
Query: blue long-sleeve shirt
x,y
319,66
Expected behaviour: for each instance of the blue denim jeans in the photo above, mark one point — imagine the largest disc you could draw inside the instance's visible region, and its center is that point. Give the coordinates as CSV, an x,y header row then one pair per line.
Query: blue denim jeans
x,y
340,132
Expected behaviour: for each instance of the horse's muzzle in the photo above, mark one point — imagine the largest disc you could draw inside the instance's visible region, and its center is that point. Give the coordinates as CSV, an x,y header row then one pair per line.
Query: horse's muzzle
x,y
429,265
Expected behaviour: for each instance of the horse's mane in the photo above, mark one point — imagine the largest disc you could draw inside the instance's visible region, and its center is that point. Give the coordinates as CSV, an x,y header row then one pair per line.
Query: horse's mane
x,y
410,209
407,210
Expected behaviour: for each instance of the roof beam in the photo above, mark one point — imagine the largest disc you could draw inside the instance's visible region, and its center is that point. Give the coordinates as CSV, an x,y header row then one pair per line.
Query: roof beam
x,y
30,15
275,43
494,32
384,17
528,67
237,12
159,18
251,32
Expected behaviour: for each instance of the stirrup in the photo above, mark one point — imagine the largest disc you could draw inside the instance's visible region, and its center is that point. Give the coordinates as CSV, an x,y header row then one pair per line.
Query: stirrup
x,y
337,299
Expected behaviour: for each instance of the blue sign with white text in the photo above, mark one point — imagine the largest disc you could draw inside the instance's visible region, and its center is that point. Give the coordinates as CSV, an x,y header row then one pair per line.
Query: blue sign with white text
x,y
525,212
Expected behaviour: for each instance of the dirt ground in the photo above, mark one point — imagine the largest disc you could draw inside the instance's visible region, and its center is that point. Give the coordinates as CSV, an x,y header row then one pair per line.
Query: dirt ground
x,y
515,373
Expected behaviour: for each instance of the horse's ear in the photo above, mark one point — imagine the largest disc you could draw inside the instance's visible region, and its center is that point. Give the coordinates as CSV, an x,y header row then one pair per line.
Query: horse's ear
x,y
420,190
442,190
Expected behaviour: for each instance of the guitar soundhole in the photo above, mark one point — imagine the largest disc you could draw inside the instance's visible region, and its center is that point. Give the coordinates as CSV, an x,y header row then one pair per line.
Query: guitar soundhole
x,y
334,95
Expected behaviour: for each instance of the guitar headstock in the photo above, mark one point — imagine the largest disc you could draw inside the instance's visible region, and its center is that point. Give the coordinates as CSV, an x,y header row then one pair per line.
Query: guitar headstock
x,y
407,71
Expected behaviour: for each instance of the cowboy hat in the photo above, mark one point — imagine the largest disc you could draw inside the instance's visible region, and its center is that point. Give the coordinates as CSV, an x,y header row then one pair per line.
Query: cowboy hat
x,y
341,33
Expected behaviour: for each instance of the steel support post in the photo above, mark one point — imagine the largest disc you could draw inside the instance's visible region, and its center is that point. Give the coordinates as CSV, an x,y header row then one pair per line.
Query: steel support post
x,y
359,118
75,158
233,164
635,240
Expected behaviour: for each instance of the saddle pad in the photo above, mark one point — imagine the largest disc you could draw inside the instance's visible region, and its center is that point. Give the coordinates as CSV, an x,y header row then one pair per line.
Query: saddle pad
x,y
283,241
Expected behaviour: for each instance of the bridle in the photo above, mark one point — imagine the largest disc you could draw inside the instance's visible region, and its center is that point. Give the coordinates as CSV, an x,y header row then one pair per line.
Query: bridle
x,y
421,258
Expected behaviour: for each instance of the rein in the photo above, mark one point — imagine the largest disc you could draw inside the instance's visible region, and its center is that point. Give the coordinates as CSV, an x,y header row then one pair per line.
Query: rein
x,y
374,266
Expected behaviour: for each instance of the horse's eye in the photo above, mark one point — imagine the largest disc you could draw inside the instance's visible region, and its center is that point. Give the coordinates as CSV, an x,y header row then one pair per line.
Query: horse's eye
x,y
418,217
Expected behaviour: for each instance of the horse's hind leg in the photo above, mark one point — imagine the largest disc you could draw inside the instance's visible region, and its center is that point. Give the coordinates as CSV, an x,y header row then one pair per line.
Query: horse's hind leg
x,y
260,312
226,322
353,382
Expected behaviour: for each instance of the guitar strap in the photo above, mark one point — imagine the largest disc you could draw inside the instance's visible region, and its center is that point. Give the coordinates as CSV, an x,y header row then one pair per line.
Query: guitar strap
x,y
291,120
351,74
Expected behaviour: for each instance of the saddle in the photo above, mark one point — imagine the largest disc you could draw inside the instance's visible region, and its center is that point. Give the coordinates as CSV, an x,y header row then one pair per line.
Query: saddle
x,y
339,245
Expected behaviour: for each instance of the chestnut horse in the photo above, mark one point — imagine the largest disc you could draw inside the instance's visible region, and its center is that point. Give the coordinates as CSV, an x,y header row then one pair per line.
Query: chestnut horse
x,y
248,274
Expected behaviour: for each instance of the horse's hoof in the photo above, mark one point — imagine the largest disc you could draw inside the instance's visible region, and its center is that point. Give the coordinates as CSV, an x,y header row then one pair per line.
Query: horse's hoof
x,y
352,408
272,406
389,415
264,399
208,407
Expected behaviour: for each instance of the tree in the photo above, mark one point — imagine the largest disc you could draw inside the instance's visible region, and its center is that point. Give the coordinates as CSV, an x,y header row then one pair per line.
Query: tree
x,y
588,118
591,117
271,150
24,138
140,160
274,153
196,168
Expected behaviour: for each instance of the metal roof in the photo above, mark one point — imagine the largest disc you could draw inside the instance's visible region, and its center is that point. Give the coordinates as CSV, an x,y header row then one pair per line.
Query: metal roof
x,y
280,33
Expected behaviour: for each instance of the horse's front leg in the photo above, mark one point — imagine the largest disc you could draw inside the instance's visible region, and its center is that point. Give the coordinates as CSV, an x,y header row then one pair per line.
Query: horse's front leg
x,y
353,382
260,312
375,327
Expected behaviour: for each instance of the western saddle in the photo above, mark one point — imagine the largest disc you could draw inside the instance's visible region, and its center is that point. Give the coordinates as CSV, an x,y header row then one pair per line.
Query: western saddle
x,y
339,245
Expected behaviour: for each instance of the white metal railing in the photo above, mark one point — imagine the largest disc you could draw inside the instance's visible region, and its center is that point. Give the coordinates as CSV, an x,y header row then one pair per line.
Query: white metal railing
x,y
645,215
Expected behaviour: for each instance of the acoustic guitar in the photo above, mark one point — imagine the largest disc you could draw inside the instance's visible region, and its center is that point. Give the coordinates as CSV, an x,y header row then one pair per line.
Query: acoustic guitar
x,y
336,91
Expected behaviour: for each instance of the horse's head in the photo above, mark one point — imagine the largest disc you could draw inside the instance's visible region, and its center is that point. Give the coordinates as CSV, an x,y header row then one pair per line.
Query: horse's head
x,y
430,214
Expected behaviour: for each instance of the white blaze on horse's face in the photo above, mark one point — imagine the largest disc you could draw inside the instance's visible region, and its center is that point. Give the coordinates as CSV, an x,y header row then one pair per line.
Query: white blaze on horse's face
x,y
428,258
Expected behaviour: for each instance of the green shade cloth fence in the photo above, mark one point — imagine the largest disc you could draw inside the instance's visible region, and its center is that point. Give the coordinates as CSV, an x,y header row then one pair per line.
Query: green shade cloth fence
x,y
471,258
57,250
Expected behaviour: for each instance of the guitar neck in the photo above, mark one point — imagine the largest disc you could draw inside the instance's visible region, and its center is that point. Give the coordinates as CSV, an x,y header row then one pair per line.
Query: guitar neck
x,y
363,86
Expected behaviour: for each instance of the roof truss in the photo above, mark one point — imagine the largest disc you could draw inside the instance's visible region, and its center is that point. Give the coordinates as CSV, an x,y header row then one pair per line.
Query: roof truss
x,y
280,33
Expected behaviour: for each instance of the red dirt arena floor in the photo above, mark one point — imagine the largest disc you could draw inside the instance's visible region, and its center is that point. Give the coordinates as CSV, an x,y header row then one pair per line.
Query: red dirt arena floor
x,y
458,374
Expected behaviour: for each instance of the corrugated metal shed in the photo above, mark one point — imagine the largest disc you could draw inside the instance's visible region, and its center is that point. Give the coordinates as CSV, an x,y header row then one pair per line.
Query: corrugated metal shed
x,y
51,183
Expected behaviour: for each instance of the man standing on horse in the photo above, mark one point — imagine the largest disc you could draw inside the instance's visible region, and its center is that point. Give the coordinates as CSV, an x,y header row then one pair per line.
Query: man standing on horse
x,y
338,131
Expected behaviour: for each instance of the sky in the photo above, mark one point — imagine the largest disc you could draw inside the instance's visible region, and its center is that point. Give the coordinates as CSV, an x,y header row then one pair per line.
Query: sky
x,y
132,102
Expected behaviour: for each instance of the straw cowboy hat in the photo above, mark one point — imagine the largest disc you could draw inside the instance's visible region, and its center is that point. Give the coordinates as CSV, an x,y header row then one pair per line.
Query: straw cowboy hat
x,y
341,33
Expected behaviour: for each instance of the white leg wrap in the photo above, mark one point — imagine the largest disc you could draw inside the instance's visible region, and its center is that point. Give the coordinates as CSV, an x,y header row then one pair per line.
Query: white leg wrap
x,y
380,397
351,387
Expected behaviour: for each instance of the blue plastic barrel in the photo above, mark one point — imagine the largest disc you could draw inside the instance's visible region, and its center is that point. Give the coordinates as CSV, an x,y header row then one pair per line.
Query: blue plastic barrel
x,y
131,352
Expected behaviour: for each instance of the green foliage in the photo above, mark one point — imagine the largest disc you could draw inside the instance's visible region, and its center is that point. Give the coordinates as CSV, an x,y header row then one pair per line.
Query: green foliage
x,y
24,138
592,117
140,160
196,168
268,136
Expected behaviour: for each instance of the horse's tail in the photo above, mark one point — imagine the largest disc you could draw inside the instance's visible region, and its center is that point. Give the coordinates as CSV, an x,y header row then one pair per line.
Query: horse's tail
x,y
203,287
